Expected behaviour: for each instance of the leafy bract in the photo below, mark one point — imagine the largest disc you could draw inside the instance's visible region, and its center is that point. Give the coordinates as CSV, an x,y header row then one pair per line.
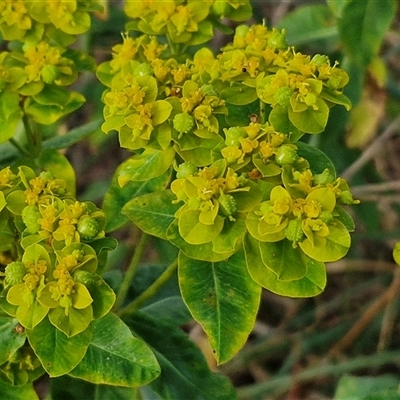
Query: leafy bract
x,y
153,212
312,284
58,353
117,196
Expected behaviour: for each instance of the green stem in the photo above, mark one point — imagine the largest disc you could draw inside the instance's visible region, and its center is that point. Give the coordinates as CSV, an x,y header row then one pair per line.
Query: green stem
x,y
19,147
262,112
172,46
34,138
131,272
150,291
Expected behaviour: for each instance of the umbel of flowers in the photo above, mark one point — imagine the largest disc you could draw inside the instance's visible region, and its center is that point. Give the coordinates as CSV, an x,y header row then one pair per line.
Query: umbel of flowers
x,y
36,71
226,127
50,244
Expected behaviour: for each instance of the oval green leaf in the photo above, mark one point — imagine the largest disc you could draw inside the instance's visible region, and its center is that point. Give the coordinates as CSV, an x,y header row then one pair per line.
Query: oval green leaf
x,y
115,357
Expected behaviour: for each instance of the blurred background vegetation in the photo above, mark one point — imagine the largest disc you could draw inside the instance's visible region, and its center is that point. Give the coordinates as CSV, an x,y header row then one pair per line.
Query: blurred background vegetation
x,y
345,343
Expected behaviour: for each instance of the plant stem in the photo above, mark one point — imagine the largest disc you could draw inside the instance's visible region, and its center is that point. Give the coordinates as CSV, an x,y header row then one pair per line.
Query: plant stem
x,y
34,138
131,272
19,147
262,112
150,291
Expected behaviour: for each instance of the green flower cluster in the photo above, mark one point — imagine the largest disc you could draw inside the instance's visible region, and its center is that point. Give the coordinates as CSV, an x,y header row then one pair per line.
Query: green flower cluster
x,y
38,66
31,21
51,243
239,180
189,22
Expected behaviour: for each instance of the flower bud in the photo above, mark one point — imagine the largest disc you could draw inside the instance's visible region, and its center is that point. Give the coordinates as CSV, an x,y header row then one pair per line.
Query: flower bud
x,y
183,122
286,155
31,217
227,204
88,228
282,96
86,278
294,231
186,169
15,272
277,40
232,136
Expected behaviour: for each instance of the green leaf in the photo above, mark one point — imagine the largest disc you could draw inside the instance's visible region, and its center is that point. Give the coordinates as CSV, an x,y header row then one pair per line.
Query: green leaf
x,y
230,236
68,388
240,115
10,392
239,95
153,212
58,353
336,98
150,164
200,251
10,338
310,120
116,197
317,159
223,298
103,297
115,357
195,232
312,284
337,6
184,371
332,248
10,115
363,26
279,119
56,163
53,95
48,114
160,111
30,315
309,24
286,262
73,323
345,218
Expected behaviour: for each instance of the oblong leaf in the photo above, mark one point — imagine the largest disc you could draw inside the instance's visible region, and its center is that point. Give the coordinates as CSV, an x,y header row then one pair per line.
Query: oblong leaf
x,y
115,357
184,370
223,298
